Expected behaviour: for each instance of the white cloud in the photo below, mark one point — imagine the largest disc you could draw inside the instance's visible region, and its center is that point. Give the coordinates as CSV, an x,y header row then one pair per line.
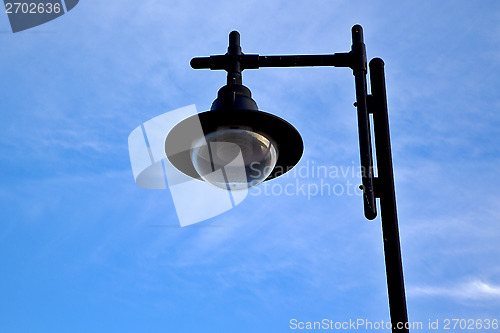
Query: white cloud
x,y
471,290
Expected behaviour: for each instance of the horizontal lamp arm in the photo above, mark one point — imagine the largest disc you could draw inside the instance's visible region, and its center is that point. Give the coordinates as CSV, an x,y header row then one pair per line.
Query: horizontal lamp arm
x,y
255,61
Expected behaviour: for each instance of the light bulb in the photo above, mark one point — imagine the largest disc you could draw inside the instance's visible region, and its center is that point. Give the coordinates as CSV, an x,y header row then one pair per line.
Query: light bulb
x,y
234,158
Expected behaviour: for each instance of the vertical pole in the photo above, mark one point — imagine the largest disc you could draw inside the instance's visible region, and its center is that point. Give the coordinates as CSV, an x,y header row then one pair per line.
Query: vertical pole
x,y
390,230
365,145
234,52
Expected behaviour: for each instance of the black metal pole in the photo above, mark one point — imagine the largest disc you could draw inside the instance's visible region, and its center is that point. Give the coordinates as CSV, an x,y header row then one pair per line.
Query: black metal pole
x,y
233,65
385,189
255,61
365,145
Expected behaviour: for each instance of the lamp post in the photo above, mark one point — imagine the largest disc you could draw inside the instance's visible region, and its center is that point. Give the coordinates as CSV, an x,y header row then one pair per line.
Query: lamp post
x,y
274,145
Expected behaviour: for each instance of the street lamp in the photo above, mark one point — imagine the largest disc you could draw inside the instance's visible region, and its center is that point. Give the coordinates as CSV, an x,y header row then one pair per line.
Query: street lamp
x,y
267,146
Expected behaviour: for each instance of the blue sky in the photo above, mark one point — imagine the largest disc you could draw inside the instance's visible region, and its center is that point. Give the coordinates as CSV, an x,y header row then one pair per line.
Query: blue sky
x,y
83,249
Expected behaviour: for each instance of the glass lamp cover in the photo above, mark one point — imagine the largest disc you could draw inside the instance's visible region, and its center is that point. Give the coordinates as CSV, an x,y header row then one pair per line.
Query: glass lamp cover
x,y
234,158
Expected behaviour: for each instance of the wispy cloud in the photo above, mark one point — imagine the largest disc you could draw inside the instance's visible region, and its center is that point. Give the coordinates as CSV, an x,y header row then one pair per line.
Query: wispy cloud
x,y
471,290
